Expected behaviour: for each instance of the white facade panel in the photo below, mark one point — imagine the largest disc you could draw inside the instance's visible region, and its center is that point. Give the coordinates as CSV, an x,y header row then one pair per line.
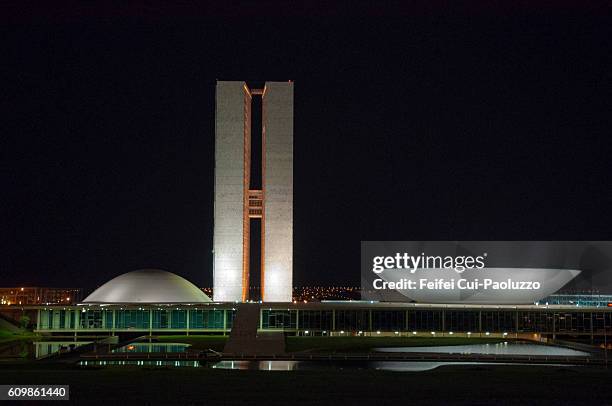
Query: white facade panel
x,y
278,192
229,191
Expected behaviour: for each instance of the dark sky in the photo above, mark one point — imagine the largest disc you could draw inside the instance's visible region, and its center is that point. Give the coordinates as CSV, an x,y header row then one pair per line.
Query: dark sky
x,y
410,124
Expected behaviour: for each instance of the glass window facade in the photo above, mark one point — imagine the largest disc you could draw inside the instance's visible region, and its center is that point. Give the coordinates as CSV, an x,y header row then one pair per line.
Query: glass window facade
x,y
160,319
461,321
352,320
388,320
137,319
498,321
206,319
277,319
178,319
91,319
425,320
543,320
315,319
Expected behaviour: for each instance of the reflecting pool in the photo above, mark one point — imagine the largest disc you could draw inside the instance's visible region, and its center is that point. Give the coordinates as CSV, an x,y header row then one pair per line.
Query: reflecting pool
x,y
44,349
501,348
152,347
276,365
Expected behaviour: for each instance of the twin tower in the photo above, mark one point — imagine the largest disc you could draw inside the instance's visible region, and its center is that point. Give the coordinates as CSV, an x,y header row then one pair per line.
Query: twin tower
x,y
253,180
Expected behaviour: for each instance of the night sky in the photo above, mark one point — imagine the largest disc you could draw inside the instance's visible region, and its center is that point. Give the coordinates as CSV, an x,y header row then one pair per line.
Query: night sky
x,y
410,124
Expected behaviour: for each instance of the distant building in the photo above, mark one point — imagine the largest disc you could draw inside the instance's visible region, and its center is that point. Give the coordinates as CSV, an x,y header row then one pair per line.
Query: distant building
x,y
320,293
39,295
579,299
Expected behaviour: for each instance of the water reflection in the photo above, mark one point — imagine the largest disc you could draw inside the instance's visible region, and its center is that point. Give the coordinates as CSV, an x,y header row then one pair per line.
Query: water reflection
x,y
44,349
275,365
401,366
417,366
144,363
16,349
258,365
502,348
414,366
152,347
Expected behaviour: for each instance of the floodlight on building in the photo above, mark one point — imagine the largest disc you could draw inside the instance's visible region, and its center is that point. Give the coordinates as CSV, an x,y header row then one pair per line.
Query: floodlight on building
x,y
241,196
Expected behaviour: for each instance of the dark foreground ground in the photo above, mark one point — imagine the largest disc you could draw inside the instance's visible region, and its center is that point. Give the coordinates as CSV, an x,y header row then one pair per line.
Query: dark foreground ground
x,y
455,384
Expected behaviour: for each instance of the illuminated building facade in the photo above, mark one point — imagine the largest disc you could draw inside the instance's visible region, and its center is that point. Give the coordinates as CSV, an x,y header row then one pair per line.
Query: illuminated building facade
x,y
237,202
158,302
331,319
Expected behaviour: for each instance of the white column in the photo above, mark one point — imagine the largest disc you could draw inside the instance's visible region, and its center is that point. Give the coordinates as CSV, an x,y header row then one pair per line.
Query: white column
x,y
229,190
278,191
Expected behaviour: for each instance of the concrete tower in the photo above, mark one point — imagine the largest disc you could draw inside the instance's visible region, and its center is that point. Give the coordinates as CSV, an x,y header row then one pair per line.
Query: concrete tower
x,y
236,203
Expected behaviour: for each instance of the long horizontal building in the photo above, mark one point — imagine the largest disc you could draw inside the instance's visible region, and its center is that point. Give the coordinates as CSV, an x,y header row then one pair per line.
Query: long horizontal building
x,y
328,318
157,302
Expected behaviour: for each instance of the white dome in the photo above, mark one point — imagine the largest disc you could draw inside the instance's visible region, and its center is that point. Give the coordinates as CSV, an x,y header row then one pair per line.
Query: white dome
x,y
147,286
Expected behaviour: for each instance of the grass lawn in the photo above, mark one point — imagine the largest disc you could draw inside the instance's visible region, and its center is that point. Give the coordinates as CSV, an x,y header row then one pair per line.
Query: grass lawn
x,y
197,342
7,336
15,343
365,344
499,385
